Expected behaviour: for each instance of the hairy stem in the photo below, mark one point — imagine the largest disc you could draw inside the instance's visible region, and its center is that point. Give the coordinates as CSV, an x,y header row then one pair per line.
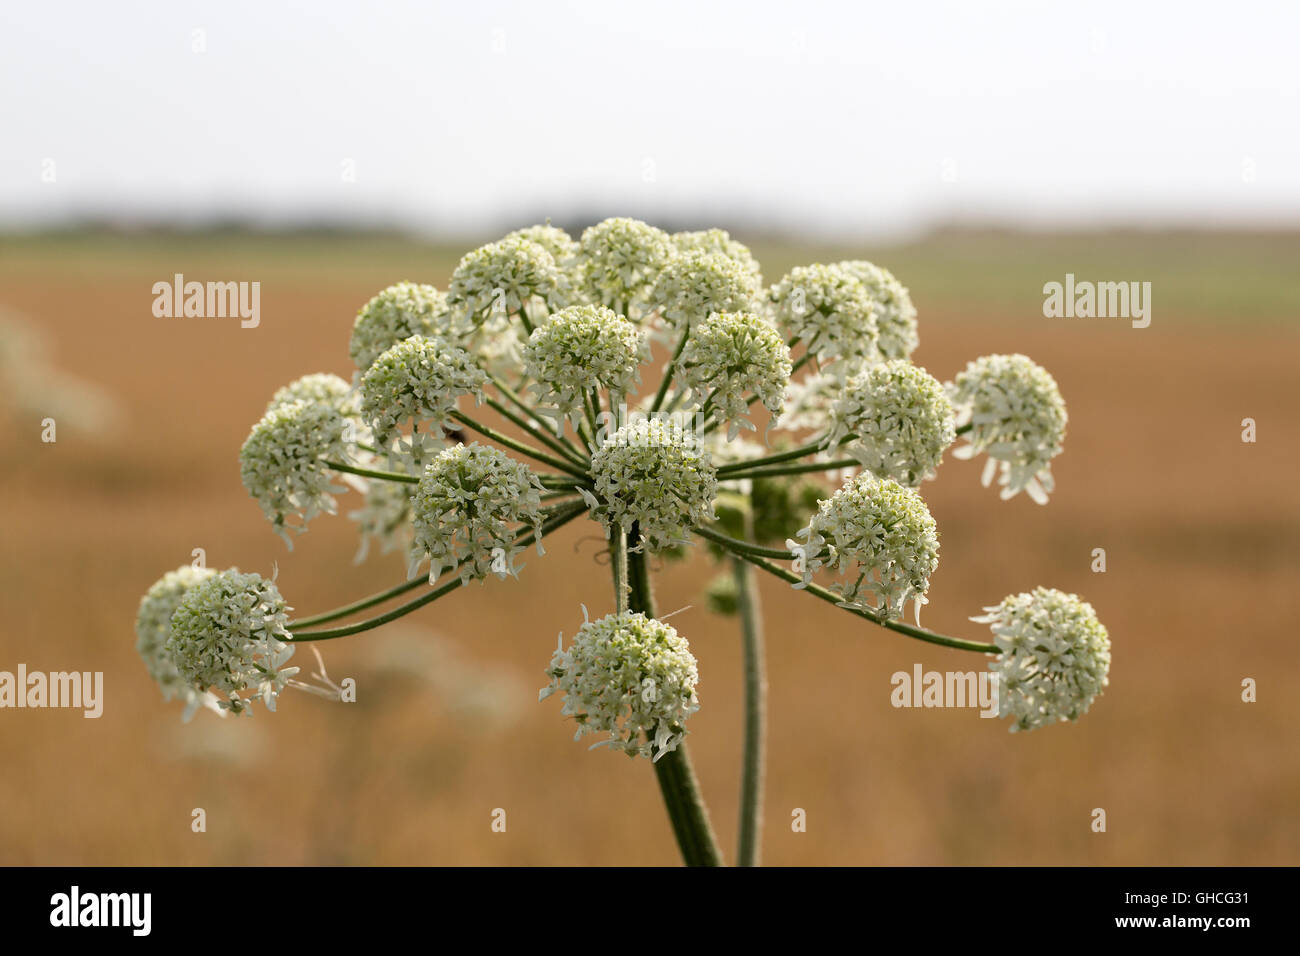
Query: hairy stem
x,y
677,783
522,447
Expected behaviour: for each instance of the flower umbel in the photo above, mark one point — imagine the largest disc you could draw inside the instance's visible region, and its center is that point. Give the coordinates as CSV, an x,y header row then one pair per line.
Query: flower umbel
x,y
1054,659
468,507
729,356
501,278
397,313
830,311
895,314
153,625
282,463
899,419
629,676
1017,416
418,381
657,475
877,534
619,260
581,349
228,634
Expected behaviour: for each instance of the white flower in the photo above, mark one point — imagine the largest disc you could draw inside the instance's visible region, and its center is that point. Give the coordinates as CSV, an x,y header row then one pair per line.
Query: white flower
x,y
628,676
830,311
1053,660
693,286
501,278
899,418
618,262
395,314
656,474
228,634
152,628
418,381
282,463
719,240
584,348
729,356
895,313
1017,416
554,240
320,387
468,509
880,535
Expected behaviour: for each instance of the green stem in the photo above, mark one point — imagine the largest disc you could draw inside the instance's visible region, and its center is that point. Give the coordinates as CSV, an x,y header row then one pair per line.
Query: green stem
x,y
372,473
677,781
921,634
670,370
522,447
795,469
752,763
560,517
539,433
810,448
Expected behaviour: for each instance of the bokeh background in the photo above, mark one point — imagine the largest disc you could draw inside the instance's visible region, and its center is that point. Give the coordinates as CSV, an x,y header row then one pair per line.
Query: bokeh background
x,y
975,157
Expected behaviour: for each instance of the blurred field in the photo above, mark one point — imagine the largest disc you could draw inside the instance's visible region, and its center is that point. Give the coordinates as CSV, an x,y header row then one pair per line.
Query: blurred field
x,y
1200,530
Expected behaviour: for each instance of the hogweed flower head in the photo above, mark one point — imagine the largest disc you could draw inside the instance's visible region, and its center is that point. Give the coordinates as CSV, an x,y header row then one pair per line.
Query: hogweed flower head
x,y
282,463
618,262
895,313
899,419
503,277
153,625
631,677
584,348
418,381
879,537
395,314
467,509
1017,416
731,355
831,312
228,635
1053,660
656,474
319,387
554,240
720,241
693,286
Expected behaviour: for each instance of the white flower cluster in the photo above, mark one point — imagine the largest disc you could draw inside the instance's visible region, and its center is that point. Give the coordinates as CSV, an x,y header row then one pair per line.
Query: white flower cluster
x,y
582,348
720,241
729,356
282,463
631,677
467,509
554,240
693,286
1053,660
501,278
619,261
831,312
153,625
1017,416
397,313
880,535
899,419
319,387
228,634
655,474
895,313
418,381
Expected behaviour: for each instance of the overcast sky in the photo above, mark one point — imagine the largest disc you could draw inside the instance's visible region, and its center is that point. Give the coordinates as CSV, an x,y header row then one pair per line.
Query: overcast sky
x,y
834,116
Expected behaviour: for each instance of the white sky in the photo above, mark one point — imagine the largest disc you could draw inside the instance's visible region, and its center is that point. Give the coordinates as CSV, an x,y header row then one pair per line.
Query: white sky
x,y
833,116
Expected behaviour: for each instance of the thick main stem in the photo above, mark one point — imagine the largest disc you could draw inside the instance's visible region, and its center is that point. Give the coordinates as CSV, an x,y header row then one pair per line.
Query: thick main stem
x,y
752,763
677,782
